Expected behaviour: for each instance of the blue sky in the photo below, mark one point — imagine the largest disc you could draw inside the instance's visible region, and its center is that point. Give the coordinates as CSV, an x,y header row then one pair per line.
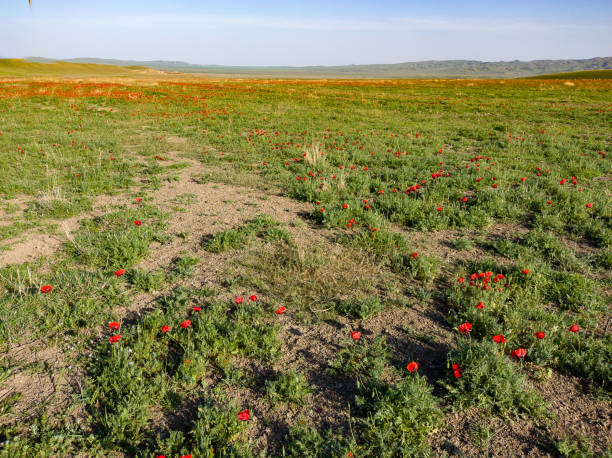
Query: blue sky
x,y
315,32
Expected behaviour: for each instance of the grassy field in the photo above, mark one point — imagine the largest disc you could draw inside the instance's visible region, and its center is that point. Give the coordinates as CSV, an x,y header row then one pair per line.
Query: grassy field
x,y
591,74
18,68
305,268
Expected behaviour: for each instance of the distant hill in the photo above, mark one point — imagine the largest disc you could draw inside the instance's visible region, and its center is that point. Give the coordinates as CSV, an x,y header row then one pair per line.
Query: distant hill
x,y
424,69
589,74
22,68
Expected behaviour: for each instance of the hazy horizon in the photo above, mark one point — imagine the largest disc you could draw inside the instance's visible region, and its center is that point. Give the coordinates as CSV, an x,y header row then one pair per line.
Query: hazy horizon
x,y
293,33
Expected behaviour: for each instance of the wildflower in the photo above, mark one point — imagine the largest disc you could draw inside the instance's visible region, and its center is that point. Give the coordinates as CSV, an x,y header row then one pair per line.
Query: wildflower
x,y
238,300
464,199
440,209
574,328
119,272
414,255
115,339
165,328
499,339
185,324
540,335
456,370
413,366
355,335
244,415
253,298
345,206
137,223
525,271
518,353
114,325
589,205
461,279
465,328
480,305
46,289
196,308
280,310
138,199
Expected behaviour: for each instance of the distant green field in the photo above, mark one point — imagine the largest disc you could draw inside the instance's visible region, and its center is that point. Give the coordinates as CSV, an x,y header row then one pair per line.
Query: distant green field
x,y
589,74
22,68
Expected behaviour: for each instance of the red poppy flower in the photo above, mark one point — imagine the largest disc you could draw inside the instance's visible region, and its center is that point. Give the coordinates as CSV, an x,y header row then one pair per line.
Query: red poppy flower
x,y
523,178
239,300
461,279
549,202
589,205
412,366
46,289
185,324
355,335
164,328
525,271
499,338
281,310
137,223
480,305
253,298
244,415
440,209
464,199
138,199
465,328
414,255
540,335
518,353
457,373
574,328
345,206
119,272
114,325
115,339
196,308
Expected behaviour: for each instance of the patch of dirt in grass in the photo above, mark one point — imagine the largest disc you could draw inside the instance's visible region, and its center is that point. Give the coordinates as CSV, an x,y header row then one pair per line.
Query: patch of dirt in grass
x,y
310,349
440,243
42,377
34,247
32,244
574,413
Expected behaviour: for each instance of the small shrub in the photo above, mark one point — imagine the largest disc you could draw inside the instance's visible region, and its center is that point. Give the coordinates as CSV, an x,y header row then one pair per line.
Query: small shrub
x,y
147,281
307,441
291,387
399,417
489,379
360,308
362,359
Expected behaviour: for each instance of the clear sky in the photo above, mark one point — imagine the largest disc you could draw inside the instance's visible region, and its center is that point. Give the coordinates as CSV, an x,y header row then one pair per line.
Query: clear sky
x,y
313,32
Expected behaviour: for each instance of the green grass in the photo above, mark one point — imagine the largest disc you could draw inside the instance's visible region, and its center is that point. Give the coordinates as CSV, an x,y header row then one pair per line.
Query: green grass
x,y
589,74
362,242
